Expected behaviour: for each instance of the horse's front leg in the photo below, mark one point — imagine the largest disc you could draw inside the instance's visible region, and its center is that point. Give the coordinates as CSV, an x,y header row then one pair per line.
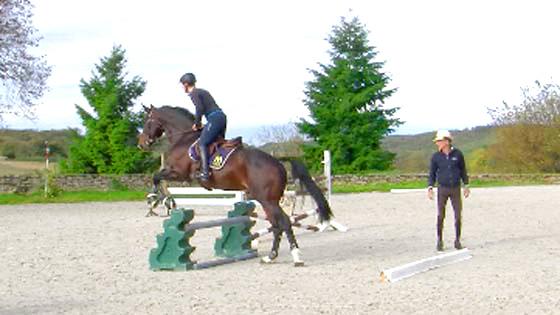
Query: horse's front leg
x,y
155,197
277,236
281,223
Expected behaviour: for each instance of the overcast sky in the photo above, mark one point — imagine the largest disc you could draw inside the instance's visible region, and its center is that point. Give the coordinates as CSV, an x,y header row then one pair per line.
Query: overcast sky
x,y
450,60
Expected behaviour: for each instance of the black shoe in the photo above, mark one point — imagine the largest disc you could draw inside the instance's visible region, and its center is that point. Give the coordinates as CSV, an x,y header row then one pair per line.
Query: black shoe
x,y
458,244
439,246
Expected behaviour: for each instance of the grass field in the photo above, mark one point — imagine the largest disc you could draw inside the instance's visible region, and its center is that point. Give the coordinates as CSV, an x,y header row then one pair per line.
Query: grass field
x,y
8,167
138,195
72,197
386,187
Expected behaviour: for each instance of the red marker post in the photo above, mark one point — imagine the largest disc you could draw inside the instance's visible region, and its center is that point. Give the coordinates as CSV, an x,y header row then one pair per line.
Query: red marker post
x,y
47,152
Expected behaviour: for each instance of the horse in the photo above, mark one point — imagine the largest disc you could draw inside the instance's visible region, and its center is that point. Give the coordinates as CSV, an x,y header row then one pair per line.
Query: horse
x,y
261,176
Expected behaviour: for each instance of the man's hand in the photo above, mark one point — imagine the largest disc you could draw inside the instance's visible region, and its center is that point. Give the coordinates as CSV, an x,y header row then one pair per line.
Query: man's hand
x,y
466,192
431,193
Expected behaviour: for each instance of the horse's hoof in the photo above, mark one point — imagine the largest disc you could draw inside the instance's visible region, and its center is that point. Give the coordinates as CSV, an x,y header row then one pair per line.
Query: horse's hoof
x,y
296,256
266,260
169,203
323,226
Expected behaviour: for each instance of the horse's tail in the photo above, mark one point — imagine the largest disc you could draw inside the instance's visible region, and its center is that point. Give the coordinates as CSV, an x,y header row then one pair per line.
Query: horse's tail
x,y
300,172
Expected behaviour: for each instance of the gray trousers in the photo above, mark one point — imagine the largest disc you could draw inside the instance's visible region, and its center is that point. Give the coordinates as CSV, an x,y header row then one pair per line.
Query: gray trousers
x,y
453,193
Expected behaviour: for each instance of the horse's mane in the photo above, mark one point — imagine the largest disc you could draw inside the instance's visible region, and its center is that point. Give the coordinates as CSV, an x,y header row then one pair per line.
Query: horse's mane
x,y
181,111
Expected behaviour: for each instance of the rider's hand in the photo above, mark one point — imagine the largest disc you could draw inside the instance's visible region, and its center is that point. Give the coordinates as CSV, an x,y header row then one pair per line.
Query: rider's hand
x,y
195,127
431,193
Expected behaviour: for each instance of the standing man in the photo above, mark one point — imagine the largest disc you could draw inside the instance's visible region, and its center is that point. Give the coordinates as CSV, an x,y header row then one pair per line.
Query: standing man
x,y
216,120
448,168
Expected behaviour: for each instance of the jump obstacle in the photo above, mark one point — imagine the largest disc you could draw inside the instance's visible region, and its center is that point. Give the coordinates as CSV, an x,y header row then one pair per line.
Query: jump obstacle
x,y
408,270
202,196
194,196
188,196
173,251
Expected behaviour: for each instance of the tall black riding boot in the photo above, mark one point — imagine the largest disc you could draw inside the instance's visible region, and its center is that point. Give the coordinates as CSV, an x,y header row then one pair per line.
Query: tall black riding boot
x,y
203,175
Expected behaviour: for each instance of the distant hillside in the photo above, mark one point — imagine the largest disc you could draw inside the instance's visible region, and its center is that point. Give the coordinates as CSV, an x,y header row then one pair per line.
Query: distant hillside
x,y
283,150
29,145
414,151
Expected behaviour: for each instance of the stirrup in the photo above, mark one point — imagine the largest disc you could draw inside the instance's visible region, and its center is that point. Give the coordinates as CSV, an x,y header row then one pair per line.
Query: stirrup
x,y
203,176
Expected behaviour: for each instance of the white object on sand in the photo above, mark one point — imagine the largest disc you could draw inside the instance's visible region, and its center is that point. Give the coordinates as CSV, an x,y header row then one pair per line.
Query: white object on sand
x,y
401,272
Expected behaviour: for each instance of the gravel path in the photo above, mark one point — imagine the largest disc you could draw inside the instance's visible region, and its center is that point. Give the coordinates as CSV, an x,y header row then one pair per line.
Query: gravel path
x,y
92,258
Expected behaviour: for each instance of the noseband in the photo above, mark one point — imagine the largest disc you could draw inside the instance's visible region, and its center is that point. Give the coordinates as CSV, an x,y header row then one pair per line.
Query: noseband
x,y
151,120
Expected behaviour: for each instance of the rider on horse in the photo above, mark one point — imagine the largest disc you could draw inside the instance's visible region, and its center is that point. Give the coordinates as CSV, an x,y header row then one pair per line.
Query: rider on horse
x,y
215,117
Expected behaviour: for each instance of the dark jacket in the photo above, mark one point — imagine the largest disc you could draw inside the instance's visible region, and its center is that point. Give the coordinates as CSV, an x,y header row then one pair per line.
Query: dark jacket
x,y
448,170
203,102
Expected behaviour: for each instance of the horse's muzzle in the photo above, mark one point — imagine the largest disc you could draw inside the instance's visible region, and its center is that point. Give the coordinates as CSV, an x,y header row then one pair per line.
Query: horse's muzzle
x,y
144,142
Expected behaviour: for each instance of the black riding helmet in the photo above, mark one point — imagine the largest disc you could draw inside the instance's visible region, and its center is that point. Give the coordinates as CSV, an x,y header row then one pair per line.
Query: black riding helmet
x,y
188,78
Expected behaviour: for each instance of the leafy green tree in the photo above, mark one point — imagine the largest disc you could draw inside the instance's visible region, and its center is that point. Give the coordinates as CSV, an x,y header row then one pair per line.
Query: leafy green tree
x,y
345,100
528,132
109,144
23,76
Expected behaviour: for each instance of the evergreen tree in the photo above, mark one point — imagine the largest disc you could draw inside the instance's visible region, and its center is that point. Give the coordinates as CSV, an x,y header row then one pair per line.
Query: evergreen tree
x,y
109,144
345,100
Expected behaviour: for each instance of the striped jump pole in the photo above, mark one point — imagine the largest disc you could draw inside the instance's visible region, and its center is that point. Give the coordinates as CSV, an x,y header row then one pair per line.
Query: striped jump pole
x,y
296,223
219,222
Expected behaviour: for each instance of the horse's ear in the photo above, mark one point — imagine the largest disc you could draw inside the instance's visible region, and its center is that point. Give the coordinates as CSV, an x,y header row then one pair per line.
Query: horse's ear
x,y
146,109
152,106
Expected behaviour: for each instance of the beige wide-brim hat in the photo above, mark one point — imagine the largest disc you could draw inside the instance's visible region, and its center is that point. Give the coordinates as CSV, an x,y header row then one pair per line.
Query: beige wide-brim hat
x,y
442,135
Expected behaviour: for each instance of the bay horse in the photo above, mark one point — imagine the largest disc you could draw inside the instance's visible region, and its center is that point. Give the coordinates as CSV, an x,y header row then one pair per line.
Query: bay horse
x,y
261,176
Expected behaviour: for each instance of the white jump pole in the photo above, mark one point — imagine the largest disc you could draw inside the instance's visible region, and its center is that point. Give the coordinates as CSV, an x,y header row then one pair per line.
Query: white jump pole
x,y
327,171
47,152
408,270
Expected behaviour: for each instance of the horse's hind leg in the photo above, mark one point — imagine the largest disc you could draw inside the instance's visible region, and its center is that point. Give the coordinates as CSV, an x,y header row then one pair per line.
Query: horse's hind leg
x,y
286,226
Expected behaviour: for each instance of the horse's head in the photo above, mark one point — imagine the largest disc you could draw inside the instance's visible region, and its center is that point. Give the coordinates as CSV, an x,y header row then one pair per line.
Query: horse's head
x,y
175,122
153,128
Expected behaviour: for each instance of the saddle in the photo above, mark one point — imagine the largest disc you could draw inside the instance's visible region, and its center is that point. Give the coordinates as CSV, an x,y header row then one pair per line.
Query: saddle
x,y
219,151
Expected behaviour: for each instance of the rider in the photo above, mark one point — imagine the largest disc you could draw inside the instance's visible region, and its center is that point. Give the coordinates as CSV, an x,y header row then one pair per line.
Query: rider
x,y
215,118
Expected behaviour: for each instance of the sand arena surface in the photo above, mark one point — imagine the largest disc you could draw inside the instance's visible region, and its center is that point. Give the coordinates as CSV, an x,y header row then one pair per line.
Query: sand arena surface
x,y
92,258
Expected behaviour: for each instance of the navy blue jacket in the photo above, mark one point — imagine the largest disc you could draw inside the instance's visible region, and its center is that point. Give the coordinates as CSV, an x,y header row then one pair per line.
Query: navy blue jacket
x,y
203,102
448,170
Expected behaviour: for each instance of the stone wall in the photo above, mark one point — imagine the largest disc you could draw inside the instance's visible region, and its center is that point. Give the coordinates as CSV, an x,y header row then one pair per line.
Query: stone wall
x,y
74,182
394,178
24,183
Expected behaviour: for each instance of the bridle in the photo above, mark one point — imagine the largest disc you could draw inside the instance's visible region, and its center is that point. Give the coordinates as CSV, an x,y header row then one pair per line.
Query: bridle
x,y
149,139
151,120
